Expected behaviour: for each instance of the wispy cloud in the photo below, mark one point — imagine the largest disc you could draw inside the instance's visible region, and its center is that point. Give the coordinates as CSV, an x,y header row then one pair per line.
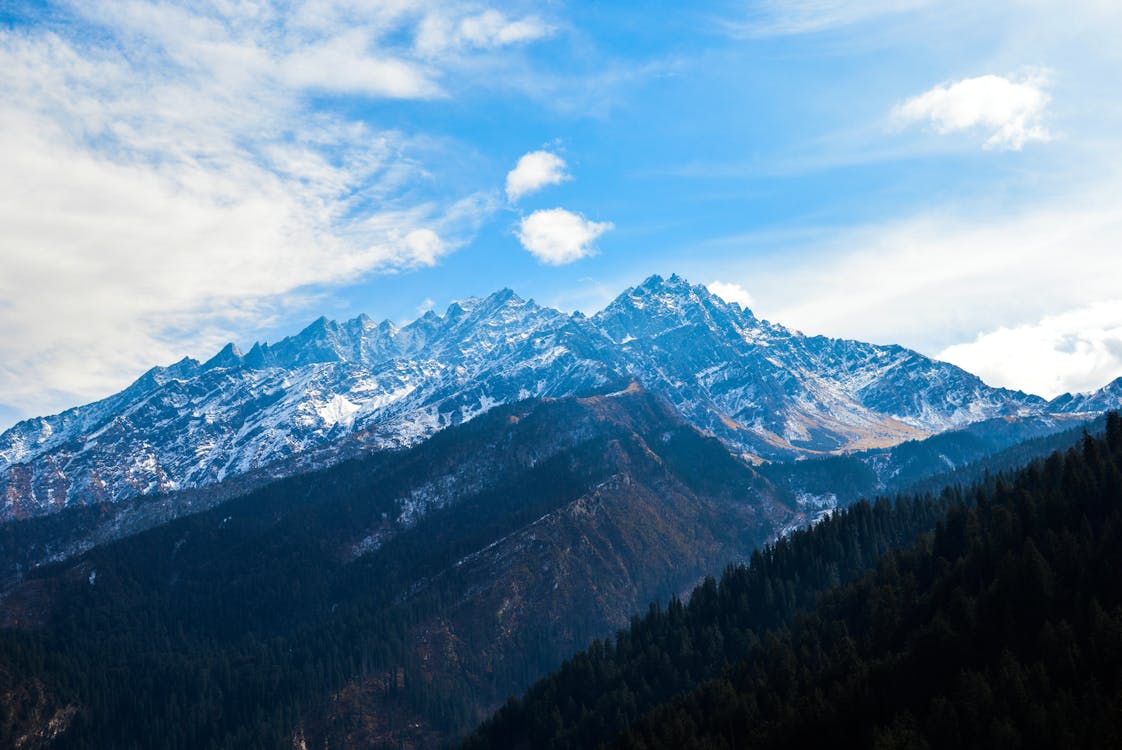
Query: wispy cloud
x,y
167,180
790,17
442,32
1011,111
533,172
948,275
557,237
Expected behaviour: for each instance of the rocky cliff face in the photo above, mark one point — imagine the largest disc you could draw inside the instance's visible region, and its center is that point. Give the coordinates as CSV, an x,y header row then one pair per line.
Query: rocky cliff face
x,y
335,388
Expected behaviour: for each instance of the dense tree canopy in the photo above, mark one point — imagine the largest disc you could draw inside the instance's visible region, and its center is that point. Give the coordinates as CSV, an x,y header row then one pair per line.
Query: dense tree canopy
x,y
1003,628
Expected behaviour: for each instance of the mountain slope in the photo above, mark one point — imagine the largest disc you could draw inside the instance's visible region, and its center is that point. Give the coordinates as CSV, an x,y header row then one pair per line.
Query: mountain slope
x,y
769,389
822,484
1001,629
428,584
1005,629
1104,399
611,684
338,389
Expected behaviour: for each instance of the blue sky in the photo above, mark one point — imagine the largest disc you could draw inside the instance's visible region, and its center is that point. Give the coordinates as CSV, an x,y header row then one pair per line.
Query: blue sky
x,y
177,174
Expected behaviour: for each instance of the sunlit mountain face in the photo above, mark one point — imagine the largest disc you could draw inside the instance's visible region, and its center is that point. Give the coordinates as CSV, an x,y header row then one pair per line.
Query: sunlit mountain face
x,y
768,392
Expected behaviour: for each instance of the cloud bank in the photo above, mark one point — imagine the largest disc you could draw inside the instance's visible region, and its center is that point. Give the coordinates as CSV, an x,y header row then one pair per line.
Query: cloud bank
x,y
1079,350
167,179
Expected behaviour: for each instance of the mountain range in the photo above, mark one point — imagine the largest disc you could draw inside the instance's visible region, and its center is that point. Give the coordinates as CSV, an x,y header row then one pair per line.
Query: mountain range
x,y
340,389
368,536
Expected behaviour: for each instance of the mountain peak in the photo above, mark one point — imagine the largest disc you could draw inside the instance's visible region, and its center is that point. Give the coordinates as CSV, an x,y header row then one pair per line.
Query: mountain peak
x,y
461,307
660,304
669,284
317,326
767,391
229,356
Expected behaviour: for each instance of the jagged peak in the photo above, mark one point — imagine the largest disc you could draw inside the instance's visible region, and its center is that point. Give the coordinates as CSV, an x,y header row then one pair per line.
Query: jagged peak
x,y
461,307
1114,385
184,368
317,326
662,302
503,295
482,307
229,356
255,357
361,323
667,287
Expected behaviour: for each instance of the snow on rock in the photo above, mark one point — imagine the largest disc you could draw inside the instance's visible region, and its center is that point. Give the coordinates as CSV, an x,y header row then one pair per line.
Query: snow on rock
x,y
766,390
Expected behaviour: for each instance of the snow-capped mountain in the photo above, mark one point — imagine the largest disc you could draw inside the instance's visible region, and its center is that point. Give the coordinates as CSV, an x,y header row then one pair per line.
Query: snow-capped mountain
x,y
767,391
1107,398
772,390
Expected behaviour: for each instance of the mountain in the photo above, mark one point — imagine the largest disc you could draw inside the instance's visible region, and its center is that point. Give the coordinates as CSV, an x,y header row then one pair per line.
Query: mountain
x,y
193,424
1001,628
823,484
1105,399
339,389
774,392
387,600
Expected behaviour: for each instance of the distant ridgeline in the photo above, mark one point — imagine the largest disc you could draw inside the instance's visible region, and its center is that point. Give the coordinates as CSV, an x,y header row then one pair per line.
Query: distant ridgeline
x,y
1002,628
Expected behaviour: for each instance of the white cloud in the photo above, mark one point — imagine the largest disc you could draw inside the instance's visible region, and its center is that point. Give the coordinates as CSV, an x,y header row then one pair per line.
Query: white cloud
x,y
1078,350
556,236
534,171
730,292
442,32
344,64
937,279
1011,111
423,246
166,184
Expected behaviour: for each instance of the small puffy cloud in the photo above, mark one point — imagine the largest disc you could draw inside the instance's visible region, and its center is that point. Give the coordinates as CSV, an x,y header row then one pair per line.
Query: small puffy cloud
x,y
534,171
1011,111
731,293
423,246
440,33
1078,350
556,236
428,303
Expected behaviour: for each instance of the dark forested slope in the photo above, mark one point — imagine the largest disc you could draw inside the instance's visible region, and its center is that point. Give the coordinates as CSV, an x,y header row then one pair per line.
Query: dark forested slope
x,y
1003,628
602,690
388,600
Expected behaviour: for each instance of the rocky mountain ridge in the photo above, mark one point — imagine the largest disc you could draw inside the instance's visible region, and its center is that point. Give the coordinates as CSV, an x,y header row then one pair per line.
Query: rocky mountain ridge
x,y
768,392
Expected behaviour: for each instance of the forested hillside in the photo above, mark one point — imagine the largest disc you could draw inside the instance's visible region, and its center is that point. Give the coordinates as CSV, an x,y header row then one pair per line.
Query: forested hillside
x,y
386,601
605,688
1003,628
